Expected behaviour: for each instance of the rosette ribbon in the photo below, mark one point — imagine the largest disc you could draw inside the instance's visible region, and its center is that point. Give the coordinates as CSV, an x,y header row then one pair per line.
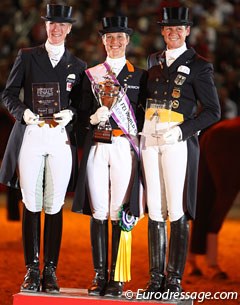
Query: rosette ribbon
x,y
123,265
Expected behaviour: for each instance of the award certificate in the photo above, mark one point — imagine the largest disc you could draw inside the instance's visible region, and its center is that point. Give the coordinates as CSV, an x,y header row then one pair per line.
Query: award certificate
x,y
46,99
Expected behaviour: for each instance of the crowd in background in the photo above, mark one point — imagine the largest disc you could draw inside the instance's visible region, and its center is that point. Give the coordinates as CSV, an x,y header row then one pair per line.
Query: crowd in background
x,y
214,34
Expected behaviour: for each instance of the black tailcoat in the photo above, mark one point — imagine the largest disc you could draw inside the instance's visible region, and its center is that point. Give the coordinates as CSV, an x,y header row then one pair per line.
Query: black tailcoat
x,y
136,92
189,83
32,65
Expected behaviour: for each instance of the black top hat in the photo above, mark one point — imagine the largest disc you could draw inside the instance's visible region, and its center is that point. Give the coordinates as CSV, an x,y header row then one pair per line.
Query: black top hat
x,y
172,16
59,13
115,24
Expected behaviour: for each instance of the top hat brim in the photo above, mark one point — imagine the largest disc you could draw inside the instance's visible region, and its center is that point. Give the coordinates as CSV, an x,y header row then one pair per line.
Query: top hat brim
x,y
173,22
59,19
128,31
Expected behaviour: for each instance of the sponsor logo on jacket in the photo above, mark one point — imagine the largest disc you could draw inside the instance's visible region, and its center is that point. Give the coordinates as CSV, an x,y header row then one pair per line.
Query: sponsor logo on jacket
x,y
133,87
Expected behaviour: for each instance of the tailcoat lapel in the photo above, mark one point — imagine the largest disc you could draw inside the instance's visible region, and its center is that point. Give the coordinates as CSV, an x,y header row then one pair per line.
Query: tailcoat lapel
x,y
41,59
184,59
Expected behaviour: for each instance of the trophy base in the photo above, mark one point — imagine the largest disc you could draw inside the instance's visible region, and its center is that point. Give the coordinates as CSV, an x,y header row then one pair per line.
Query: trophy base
x,y
104,136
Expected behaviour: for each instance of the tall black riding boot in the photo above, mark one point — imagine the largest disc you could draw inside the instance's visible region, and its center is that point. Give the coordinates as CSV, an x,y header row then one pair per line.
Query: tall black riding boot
x,y
31,225
114,288
99,241
13,198
177,254
157,254
52,243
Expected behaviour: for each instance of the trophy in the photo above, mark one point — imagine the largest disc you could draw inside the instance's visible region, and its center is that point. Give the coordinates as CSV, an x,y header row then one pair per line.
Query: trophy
x,y
157,117
46,99
107,93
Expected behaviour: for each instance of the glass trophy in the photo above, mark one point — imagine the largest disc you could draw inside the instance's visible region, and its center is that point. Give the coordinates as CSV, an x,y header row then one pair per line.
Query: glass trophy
x,y
107,93
157,117
46,99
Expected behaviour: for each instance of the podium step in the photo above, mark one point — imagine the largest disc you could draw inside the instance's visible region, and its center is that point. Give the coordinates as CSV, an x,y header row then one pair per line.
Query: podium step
x,y
69,296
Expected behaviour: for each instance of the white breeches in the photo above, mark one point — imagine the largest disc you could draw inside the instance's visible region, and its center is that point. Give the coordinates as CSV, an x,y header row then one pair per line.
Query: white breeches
x,y
165,172
45,163
110,171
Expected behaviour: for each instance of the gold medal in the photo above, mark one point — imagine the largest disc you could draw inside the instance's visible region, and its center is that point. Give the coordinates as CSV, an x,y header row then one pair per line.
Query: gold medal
x,y
175,104
176,93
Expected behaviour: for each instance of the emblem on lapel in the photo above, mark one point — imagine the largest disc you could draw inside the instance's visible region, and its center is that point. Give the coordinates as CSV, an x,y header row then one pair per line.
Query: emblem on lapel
x,y
179,80
175,104
176,92
183,69
70,81
127,77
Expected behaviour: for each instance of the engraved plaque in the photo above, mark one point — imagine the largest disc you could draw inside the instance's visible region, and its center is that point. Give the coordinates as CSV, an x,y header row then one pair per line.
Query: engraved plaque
x,y
157,116
46,99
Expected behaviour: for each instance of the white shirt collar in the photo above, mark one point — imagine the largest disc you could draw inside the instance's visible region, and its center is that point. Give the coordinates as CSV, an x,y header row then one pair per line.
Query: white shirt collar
x,y
116,64
175,53
55,52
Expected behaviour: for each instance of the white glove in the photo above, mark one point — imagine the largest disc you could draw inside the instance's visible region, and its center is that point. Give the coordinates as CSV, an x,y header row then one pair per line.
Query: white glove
x,y
31,118
63,117
101,115
172,136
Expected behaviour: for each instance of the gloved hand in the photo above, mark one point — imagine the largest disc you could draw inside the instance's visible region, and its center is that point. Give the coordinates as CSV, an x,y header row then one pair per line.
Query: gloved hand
x,y
101,115
172,136
31,118
63,117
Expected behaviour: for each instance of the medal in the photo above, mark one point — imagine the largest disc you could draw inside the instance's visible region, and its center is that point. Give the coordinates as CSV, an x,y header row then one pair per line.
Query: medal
x,y
175,104
176,93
